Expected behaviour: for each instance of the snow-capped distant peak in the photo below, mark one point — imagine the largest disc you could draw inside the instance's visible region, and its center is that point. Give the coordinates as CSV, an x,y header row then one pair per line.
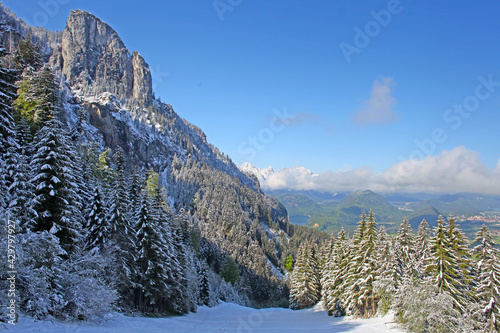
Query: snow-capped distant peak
x,y
261,174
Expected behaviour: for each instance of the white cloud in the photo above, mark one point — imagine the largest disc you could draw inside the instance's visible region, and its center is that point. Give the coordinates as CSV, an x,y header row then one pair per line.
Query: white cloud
x,y
379,109
458,170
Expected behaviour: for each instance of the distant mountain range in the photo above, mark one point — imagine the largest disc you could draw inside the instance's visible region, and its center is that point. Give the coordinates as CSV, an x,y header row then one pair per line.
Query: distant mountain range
x,y
331,211
345,210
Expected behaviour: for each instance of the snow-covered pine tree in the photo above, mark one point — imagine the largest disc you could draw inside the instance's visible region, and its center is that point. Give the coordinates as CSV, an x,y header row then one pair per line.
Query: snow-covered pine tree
x,y
385,284
56,200
55,170
327,265
28,54
7,134
487,289
359,233
314,269
136,187
177,257
422,245
367,300
404,250
386,258
352,282
123,240
152,278
180,300
460,246
304,286
325,252
296,282
43,93
98,230
203,283
7,95
20,191
334,274
443,265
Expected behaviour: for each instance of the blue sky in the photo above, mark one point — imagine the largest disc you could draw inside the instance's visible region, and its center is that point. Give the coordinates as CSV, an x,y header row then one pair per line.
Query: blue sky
x,y
229,66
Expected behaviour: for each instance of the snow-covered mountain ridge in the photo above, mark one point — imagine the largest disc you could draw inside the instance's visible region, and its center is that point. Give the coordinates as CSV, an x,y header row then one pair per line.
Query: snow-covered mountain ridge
x,y
106,97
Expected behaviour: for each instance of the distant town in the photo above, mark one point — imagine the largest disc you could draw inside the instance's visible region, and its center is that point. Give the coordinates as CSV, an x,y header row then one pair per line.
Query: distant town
x,y
487,217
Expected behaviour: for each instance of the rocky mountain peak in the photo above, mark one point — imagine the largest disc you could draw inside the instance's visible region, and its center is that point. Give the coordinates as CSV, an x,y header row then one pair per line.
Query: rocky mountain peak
x,y
94,59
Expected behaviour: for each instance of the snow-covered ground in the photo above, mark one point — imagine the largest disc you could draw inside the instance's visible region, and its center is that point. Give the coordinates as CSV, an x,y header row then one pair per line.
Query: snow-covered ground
x,y
225,317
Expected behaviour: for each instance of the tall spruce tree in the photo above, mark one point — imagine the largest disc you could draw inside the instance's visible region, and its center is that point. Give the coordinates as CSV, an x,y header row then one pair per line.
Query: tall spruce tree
x,y
422,245
20,191
404,248
367,300
460,246
56,200
203,283
356,261
44,93
7,95
443,265
152,277
98,230
386,258
7,134
387,278
55,171
304,289
487,289
28,54
334,275
122,249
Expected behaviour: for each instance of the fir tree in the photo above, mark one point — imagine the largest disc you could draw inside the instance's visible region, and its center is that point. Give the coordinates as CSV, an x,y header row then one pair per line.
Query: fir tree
x,y
314,269
442,267
123,236
334,274
44,93
7,134
359,233
367,301
404,248
7,95
151,271
358,285
97,224
56,200
304,286
180,299
204,284
28,54
422,247
460,246
487,289
386,257
387,278
20,191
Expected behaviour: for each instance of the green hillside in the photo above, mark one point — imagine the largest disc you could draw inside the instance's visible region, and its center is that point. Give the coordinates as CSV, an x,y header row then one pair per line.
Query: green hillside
x,y
331,215
297,204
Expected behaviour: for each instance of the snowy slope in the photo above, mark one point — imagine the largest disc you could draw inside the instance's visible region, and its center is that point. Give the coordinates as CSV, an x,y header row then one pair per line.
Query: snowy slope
x,y
225,317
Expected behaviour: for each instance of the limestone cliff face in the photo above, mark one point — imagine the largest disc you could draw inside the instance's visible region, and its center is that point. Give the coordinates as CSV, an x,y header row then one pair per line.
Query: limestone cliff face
x,y
94,59
112,88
